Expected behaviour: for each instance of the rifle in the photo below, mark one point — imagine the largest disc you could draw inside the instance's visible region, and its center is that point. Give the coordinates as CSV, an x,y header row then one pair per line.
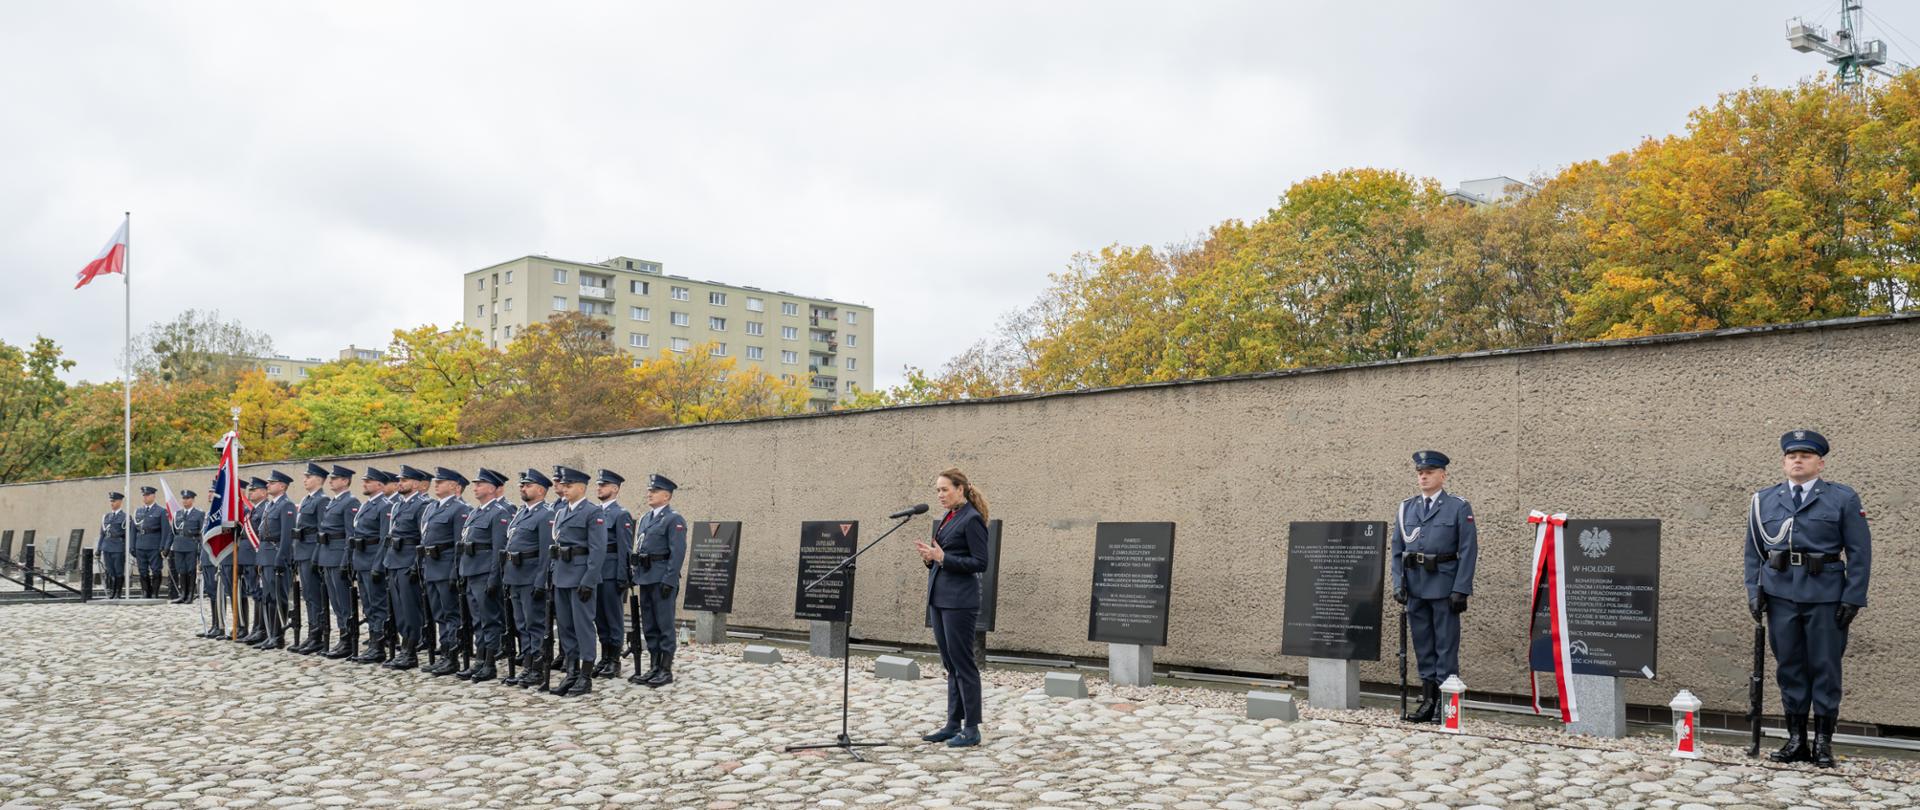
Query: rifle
x,y
429,629
1403,660
460,594
547,651
353,599
1756,687
513,629
634,642
291,605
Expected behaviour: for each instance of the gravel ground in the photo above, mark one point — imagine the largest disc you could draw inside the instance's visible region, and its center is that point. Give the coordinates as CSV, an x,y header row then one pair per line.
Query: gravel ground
x,y
118,706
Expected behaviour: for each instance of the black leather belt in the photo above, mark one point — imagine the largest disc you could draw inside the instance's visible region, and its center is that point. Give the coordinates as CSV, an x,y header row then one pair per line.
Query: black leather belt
x,y
521,557
401,544
1814,563
471,549
363,543
435,550
1431,562
327,539
566,553
613,547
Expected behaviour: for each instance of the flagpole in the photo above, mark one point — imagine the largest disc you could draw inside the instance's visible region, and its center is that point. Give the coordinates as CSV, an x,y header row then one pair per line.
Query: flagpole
x,y
233,551
126,370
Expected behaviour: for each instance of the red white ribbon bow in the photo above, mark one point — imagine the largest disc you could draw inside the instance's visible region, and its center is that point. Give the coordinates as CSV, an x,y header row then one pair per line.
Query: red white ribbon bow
x,y
1548,568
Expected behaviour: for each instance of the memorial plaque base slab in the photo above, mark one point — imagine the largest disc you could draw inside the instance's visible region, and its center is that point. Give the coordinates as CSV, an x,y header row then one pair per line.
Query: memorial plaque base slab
x,y
1065,684
761,654
1272,706
709,628
1333,683
1130,664
827,639
1602,700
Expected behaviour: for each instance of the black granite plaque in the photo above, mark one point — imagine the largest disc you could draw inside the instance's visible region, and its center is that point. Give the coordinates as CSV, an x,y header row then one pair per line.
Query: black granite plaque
x,y
72,560
1132,583
712,558
1335,575
823,545
989,583
6,544
1612,600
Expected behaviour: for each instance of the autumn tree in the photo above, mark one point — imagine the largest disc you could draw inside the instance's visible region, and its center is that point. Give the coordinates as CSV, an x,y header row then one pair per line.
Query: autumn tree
x,y
560,377
439,372
679,388
31,398
198,345
271,421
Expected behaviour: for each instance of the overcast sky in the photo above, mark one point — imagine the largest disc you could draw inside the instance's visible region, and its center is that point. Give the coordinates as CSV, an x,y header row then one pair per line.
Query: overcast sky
x,y
327,171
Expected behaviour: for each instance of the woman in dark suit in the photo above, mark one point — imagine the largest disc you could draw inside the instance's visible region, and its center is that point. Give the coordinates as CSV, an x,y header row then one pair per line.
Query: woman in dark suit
x,y
954,558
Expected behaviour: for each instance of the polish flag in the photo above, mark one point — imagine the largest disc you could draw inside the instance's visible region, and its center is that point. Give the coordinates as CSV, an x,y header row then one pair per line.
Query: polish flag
x,y
112,258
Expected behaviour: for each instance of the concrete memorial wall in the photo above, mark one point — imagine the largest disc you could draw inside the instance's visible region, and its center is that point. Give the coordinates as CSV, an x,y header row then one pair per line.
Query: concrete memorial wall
x,y
1677,429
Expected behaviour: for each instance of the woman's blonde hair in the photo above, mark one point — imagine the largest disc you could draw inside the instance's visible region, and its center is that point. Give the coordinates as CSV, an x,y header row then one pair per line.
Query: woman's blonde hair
x,y
959,479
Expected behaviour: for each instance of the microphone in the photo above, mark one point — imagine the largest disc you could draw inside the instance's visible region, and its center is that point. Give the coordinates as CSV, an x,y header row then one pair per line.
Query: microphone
x,y
916,509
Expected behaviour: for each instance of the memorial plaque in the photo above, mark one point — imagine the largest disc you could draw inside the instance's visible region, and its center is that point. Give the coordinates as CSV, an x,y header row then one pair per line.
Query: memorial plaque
x,y
6,544
823,545
1335,583
1132,583
1612,576
72,561
712,559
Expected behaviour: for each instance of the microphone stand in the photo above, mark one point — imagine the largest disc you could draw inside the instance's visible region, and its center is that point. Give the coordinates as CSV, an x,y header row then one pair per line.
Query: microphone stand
x,y
844,741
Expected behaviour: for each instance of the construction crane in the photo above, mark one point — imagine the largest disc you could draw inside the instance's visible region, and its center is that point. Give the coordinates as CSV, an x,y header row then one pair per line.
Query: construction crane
x,y
1850,55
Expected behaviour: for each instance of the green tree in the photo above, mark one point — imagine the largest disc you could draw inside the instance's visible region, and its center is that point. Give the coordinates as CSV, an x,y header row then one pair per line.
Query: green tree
x,y
198,345
31,399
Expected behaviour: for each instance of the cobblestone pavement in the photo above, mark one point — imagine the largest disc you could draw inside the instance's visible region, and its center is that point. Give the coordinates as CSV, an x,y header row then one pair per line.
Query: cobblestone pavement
x,y
118,706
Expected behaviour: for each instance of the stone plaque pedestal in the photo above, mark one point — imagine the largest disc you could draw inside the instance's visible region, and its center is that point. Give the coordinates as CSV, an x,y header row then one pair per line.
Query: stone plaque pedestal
x,y
1130,664
709,628
1602,700
1333,683
827,639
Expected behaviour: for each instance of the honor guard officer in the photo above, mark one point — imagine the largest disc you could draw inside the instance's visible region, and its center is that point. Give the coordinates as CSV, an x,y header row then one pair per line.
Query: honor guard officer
x,y
186,548
210,577
484,538
579,550
276,528
248,558
403,565
364,550
1808,554
609,614
526,575
152,535
112,545
660,549
1436,545
303,565
441,522
334,558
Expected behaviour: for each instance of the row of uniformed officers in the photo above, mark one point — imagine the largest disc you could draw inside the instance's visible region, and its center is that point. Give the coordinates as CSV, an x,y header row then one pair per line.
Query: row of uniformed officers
x,y
428,571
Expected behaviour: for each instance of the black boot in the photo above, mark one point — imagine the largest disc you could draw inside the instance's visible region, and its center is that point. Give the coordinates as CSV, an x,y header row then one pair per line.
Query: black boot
x,y
1429,708
369,654
663,675
345,646
404,656
582,681
653,668
483,669
259,633
566,683
447,664
609,666
1823,740
1796,749
535,675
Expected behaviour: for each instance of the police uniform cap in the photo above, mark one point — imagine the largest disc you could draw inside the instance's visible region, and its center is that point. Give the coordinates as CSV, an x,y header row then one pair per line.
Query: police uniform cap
x,y
1806,440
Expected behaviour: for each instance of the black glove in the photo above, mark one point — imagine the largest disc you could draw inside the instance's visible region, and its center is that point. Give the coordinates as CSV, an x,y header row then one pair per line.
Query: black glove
x,y
667,589
1757,607
585,592
1844,614
1458,602
493,592
379,575
1400,595
540,596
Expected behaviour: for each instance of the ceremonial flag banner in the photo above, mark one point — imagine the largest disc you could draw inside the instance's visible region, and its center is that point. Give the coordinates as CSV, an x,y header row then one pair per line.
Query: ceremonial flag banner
x,y
172,503
1550,584
224,502
112,258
